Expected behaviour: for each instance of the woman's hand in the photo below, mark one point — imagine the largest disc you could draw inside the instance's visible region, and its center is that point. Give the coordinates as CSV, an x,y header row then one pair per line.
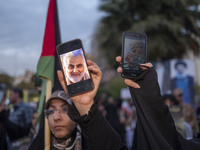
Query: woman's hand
x,y
129,82
83,102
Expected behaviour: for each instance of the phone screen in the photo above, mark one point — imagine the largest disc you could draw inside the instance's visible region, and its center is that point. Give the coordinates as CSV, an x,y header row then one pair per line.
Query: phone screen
x,y
134,51
74,66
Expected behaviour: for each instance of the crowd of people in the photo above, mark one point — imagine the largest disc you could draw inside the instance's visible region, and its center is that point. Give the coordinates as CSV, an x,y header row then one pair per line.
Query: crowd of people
x,y
147,121
122,113
18,121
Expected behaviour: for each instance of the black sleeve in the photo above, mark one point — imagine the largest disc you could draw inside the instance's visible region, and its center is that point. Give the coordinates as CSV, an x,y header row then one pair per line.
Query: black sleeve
x,y
14,131
155,126
97,132
38,141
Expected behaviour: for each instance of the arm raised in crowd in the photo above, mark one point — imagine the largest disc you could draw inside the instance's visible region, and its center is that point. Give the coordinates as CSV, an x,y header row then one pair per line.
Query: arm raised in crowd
x,y
155,127
97,132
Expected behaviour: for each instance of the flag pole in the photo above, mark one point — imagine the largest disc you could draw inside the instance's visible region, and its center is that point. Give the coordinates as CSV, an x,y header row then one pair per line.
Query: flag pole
x,y
47,136
46,69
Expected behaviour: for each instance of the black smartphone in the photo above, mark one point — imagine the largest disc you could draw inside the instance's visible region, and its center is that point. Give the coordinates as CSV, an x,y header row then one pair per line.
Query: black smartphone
x,y
73,63
134,53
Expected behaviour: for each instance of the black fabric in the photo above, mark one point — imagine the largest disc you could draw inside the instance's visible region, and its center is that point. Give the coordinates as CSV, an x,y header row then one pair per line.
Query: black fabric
x,y
97,132
38,142
113,118
14,131
155,126
57,85
3,142
75,116
142,74
4,115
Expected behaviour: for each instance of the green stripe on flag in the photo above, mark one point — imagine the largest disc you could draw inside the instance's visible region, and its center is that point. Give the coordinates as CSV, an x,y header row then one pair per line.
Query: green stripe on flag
x,y
45,67
42,98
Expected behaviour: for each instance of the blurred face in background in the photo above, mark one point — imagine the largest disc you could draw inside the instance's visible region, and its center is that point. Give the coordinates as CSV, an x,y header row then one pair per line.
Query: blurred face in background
x,y
179,97
13,97
34,119
168,102
180,68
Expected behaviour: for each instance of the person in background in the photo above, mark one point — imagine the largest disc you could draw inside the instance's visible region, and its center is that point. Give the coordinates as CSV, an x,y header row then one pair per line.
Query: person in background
x,y
17,119
129,117
176,111
188,111
34,127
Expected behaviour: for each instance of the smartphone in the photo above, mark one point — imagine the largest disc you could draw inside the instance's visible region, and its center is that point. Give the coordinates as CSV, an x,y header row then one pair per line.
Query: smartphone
x,y
73,63
134,53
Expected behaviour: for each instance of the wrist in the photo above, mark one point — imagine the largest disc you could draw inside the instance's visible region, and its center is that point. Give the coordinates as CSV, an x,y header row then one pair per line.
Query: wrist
x,y
83,108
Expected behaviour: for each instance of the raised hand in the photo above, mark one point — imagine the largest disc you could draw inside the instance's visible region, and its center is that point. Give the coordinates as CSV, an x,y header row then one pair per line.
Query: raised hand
x,y
83,102
129,82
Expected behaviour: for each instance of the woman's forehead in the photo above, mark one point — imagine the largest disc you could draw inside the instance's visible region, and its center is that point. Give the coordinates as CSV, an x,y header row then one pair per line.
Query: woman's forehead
x,y
57,102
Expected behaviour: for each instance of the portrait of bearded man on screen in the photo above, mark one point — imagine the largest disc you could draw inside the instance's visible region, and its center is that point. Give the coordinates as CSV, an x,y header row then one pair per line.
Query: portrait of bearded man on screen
x,y
75,67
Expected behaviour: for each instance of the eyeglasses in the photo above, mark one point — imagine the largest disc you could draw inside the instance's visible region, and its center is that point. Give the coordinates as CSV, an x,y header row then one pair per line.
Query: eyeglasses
x,y
181,94
52,112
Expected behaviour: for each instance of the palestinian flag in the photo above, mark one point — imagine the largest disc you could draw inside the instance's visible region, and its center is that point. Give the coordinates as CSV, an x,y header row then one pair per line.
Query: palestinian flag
x,y
48,63
47,69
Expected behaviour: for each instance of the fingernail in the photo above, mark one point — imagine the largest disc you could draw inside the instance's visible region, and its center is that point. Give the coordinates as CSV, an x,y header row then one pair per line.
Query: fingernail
x,y
137,86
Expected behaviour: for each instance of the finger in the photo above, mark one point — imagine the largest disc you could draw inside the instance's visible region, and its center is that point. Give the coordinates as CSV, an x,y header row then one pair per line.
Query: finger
x,y
148,65
131,83
61,80
119,59
119,69
90,63
95,70
94,65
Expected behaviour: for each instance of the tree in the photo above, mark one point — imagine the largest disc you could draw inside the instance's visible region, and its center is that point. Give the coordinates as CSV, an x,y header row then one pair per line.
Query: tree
x,y
6,79
168,24
114,86
26,85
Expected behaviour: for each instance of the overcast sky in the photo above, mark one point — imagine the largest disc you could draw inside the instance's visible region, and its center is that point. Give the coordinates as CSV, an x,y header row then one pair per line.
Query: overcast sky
x,y
22,24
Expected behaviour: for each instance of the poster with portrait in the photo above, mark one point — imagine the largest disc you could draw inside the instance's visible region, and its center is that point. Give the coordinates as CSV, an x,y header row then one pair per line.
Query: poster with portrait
x,y
182,77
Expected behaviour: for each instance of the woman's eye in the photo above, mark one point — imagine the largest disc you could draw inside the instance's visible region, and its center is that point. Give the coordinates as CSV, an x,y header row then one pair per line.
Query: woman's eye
x,y
65,109
51,111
